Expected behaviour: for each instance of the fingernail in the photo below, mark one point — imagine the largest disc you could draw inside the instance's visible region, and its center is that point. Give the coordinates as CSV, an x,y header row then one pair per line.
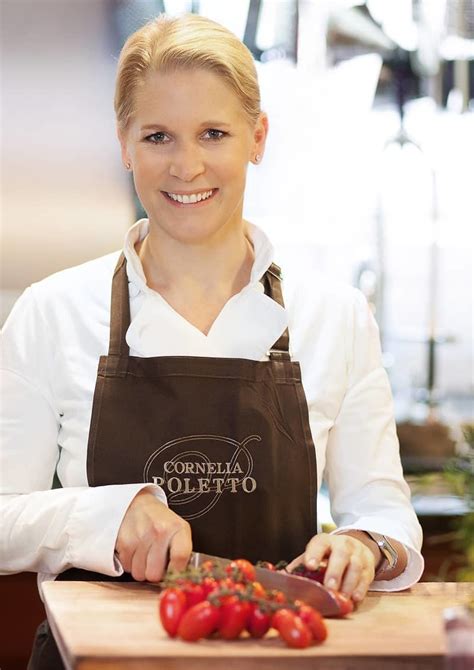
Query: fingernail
x,y
357,596
312,563
332,583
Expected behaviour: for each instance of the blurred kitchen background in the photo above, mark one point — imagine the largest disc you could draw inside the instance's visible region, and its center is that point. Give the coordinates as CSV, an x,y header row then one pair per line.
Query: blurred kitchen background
x,y
368,177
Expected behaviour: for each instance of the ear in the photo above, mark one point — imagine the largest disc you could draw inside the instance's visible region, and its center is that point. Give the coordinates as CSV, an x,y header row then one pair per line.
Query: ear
x,y
260,133
122,138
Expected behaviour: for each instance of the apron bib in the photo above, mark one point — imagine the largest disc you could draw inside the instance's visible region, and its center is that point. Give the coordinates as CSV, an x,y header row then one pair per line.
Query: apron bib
x,y
227,439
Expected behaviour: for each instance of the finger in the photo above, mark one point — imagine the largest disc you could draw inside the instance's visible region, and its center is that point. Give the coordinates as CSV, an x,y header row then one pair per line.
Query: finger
x,y
294,563
181,546
362,587
124,560
156,561
125,553
316,550
352,575
337,564
139,560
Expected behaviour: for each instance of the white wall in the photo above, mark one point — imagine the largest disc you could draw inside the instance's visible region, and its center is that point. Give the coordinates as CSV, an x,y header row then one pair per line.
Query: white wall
x,y
65,195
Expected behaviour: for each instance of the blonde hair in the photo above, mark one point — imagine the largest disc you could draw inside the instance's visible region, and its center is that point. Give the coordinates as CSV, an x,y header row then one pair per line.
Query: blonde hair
x,y
186,42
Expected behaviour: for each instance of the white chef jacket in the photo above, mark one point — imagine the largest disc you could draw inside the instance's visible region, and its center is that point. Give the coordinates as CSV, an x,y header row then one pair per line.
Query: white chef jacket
x,y
52,341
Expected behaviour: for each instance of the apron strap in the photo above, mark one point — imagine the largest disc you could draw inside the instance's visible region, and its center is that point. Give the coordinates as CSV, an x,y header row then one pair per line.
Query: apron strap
x,y
271,280
120,311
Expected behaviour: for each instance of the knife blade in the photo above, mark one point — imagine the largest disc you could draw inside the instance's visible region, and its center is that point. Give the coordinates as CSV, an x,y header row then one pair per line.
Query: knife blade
x,y
293,587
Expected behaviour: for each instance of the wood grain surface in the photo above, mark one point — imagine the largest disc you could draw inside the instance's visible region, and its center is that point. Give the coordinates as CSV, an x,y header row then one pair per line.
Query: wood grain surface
x,y
102,625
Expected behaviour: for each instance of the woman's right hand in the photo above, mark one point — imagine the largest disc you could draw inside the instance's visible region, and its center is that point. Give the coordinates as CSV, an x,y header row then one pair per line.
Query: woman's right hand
x,y
148,534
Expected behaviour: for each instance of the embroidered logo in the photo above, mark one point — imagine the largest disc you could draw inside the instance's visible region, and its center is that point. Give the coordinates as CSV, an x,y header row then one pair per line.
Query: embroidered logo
x,y
195,471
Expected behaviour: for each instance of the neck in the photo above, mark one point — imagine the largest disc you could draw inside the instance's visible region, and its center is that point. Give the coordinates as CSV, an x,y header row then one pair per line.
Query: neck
x,y
221,265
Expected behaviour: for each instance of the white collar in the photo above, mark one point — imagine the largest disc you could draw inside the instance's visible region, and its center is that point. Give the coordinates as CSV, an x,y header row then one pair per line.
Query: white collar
x,y
263,250
248,325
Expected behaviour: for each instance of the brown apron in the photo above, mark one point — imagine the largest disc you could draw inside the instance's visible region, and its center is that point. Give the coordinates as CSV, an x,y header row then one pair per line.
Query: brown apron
x,y
227,439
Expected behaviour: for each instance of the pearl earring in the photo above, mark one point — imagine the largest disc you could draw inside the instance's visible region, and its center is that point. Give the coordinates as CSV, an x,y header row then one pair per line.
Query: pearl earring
x,y
128,166
258,158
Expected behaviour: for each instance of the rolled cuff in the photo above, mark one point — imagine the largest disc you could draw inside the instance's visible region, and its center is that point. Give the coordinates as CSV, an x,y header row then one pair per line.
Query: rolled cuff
x,y
409,577
94,524
414,568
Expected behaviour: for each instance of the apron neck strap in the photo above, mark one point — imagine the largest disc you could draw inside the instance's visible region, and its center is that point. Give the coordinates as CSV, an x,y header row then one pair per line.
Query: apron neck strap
x,y
271,280
120,311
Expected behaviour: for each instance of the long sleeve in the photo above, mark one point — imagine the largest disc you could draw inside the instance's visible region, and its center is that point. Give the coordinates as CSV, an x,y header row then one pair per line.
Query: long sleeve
x,y
46,530
363,468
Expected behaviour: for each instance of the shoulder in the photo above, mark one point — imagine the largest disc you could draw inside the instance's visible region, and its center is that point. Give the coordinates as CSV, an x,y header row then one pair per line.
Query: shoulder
x,y
326,317
314,294
332,328
92,278
62,302
74,304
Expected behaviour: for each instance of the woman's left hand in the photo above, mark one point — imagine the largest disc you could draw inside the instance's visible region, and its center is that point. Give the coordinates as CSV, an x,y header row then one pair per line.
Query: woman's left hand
x,y
351,564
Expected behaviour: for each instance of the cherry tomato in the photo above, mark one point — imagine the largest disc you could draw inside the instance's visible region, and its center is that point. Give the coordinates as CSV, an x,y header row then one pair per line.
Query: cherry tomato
x,y
258,622
208,584
194,594
172,607
316,575
247,569
208,566
234,616
224,585
267,565
279,615
313,619
229,583
277,596
243,566
292,629
258,590
199,621
345,603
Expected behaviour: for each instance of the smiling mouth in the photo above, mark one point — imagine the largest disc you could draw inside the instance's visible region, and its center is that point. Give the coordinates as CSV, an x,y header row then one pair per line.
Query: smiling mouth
x,y
189,199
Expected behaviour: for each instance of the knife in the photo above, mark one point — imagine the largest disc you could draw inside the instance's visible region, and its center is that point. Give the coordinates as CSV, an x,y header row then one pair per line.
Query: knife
x,y
293,587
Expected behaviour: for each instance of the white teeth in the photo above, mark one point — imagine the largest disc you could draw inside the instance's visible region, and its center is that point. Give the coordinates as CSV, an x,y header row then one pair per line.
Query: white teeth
x,y
194,197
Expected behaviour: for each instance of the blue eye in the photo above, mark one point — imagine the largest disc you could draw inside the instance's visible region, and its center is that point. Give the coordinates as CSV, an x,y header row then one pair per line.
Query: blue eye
x,y
214,134
157,138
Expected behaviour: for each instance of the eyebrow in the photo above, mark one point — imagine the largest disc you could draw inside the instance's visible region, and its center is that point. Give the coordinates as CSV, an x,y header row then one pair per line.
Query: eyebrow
x,y
204,124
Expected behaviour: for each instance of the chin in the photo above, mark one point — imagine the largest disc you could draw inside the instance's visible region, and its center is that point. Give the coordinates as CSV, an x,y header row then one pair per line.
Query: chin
x,y
197,232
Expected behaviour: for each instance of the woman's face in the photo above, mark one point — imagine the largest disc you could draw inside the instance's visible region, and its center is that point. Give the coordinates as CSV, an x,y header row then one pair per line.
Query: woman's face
x,y
189,145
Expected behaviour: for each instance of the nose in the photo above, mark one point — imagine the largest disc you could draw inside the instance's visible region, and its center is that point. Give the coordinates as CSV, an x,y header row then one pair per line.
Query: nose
x,y
187,163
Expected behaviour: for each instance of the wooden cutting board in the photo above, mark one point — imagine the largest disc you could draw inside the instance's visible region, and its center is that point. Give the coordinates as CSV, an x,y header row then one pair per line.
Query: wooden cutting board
x,y
102,625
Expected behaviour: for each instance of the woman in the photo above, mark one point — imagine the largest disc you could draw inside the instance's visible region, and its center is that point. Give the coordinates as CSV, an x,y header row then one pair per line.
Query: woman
x,y
197,431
